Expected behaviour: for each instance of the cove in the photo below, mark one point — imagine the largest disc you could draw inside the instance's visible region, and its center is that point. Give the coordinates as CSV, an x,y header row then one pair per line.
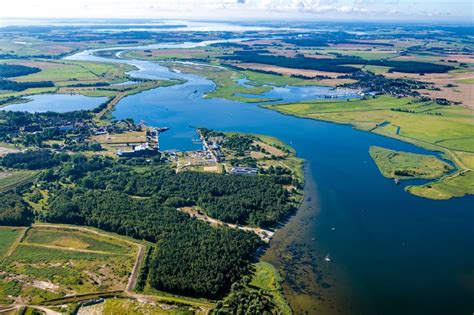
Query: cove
x,y
393,253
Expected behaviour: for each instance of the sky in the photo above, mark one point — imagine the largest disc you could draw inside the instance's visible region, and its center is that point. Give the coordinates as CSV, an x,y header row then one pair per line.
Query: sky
x,y
375,10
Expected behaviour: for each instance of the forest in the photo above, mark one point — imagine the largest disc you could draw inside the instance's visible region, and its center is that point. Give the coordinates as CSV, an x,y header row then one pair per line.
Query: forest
x,y
191,257
258,201
340,64
32,160
14,211
9,85
8,71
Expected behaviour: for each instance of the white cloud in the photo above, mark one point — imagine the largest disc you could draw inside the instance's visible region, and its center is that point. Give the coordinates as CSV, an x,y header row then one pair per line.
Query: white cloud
x,y
335,9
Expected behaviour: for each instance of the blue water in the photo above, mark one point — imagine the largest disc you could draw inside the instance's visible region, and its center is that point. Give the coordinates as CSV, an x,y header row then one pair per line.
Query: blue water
x,y
57,103
393,253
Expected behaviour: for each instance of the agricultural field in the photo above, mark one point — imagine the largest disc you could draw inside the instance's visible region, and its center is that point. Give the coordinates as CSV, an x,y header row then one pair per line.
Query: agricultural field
x,y
64,73
8,235
368,54
455,86
405,165
53,261
447,129
10,180
172,54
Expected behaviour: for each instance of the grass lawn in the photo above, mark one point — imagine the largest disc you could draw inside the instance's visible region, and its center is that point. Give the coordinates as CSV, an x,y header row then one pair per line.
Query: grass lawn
x,y
405,165
449,129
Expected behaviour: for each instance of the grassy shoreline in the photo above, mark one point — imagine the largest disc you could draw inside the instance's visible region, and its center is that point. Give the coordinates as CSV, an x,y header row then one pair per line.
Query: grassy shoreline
x,y
460,153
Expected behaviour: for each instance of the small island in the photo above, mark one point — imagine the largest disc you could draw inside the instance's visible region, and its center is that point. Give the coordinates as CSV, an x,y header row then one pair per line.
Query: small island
x,y
405,165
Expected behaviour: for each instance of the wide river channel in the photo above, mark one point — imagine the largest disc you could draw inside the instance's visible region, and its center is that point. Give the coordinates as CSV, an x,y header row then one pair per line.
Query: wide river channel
x,y
392,252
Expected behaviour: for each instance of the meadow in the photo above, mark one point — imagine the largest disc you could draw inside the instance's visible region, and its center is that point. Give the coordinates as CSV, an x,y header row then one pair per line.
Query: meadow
x,y
8,235
406,165
54,261
15,179
267,278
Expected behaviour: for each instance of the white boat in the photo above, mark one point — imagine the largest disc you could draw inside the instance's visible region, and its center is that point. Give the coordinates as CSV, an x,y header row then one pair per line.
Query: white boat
x,y
327,258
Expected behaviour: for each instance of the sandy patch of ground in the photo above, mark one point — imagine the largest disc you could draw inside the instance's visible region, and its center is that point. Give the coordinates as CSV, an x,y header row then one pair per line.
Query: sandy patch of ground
x,y
70,242
34,63
121,138
44,285
265,235
315,54
212,168
284,52
270,149
96,309
5,151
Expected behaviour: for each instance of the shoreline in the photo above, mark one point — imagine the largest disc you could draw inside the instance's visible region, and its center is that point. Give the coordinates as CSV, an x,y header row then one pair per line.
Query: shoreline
x,y
442,153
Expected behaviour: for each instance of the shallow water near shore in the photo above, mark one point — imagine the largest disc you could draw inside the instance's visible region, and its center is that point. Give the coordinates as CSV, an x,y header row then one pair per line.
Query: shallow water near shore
x,y
392,252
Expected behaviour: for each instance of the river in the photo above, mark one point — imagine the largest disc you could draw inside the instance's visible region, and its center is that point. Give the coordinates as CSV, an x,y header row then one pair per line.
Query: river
x,y
392,252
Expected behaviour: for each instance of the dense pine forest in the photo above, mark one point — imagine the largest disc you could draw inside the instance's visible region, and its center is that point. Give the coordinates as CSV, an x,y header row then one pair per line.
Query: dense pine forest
x,y
191,257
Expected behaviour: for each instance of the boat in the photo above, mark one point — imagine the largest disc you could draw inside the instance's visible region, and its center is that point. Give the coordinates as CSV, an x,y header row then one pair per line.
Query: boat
x,y
327,258
162,129
396,181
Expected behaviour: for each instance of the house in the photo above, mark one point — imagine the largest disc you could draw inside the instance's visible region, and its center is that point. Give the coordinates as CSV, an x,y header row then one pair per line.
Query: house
x,y
250,171
139,151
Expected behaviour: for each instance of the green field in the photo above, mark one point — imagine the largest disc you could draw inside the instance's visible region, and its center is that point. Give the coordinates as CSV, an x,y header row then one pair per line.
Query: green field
x,y
466,81
8,236
266,277
406,165
125,306
52,262
174,54
64,72
447,129
15,179
276,80
76,239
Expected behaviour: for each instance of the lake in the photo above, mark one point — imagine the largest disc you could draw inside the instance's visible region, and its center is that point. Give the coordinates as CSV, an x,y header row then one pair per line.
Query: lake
x,y
393,253
57,103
